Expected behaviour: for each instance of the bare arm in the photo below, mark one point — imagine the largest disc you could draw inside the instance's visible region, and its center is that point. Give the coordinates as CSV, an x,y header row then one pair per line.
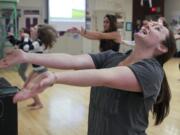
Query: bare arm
x,y
116,77
100,35
94,35
61,61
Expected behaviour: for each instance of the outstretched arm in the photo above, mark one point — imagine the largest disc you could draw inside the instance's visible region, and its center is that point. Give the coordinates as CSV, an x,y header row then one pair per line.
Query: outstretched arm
x,y
61,61
117,77
97,35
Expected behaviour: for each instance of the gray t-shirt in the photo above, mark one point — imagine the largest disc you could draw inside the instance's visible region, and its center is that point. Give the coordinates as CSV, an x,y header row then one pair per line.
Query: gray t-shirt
x,y
120,112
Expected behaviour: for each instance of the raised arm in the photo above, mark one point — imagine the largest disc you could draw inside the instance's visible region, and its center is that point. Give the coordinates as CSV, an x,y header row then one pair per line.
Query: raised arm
x,y
13,40
97,35
61,61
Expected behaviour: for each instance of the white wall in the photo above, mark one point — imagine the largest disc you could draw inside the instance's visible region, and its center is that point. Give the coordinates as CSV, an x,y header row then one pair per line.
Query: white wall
x,y
69,44
31,5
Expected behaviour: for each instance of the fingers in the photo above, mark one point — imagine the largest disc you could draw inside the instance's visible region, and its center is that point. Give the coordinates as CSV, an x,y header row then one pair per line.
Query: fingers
x,y
22,95
73,30
13,56
35,86
41,83
26,93
82,29
45,83
48,80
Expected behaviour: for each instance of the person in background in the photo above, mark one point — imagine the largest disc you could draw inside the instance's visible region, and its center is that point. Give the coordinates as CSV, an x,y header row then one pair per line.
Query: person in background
x,y
177,35
42,37
110,38
16,42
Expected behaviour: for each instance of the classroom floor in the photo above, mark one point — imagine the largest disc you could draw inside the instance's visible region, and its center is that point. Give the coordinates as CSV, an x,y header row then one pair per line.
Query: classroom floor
x,y
65,109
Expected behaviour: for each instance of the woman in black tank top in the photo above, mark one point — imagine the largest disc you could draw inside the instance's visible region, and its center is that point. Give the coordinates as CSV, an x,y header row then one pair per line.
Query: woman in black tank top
x,y
109,39
106,44
110,25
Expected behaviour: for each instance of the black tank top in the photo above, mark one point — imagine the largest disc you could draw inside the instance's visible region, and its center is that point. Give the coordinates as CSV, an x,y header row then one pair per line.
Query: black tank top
x,y
106,44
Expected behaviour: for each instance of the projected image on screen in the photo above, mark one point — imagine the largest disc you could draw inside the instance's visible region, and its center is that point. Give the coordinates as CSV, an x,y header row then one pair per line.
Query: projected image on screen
x,y
64,14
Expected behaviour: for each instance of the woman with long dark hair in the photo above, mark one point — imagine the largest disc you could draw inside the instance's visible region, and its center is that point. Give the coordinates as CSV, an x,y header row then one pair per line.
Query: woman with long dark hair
x,y
110,38
125,87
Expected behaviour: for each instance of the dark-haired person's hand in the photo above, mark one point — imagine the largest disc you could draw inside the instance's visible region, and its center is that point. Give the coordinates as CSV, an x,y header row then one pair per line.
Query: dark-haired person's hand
x,y
12,56
74,30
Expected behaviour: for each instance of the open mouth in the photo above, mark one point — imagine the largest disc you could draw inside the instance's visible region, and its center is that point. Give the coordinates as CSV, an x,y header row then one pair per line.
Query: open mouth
x,y
144,31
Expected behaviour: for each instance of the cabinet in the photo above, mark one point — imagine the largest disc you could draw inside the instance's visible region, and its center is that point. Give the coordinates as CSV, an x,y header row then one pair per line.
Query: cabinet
x,y
8,110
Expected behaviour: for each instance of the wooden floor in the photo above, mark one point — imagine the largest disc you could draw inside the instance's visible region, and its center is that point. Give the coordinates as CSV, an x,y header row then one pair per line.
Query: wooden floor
x,y
65,109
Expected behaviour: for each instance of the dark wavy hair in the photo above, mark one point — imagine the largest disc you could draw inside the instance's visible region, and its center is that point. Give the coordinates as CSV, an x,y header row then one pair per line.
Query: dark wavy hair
x,y
161,107
113,22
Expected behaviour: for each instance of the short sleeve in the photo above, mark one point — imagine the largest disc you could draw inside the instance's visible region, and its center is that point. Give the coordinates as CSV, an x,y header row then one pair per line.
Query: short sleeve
x,y
149,74
100,58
